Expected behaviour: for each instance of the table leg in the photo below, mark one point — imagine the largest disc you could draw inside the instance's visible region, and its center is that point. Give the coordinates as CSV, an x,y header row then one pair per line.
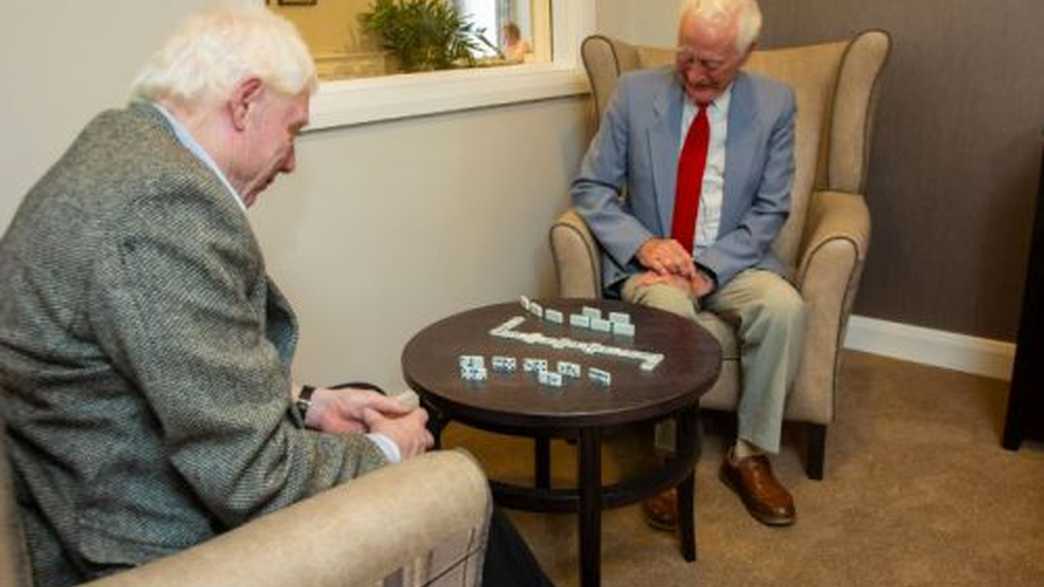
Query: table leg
x,y
436,422
590,481
686,443
542,459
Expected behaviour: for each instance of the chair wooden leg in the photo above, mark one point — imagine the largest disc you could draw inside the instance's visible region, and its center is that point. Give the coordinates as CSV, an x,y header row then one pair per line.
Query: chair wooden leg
x,y
816,451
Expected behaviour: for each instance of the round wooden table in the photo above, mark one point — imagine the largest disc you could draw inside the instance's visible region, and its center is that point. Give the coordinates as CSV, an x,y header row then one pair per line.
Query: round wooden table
x,y
517,404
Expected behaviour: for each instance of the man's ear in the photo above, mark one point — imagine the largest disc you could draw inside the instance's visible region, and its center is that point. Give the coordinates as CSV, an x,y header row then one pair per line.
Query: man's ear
x,y
244,96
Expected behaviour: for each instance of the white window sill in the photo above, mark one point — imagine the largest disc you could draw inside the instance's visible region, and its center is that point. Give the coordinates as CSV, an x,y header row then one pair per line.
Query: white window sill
x,y
360,101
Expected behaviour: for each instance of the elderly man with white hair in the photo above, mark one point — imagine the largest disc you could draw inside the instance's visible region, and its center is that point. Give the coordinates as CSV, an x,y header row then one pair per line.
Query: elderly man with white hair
x,y
144,352
705,153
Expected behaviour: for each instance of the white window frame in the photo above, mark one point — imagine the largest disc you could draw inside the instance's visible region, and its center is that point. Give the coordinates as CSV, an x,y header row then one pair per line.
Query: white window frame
x,y
360,101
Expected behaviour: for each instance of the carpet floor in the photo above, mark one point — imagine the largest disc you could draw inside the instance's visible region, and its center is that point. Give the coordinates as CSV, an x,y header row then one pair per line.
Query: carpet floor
x,y
917,491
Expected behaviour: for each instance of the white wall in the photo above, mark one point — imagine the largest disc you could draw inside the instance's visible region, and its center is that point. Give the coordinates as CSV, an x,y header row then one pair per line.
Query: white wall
x,y
384,227
645,22
61,62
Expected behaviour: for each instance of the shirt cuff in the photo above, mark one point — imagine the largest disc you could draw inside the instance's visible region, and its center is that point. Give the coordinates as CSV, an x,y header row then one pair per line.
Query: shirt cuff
x,y
387,446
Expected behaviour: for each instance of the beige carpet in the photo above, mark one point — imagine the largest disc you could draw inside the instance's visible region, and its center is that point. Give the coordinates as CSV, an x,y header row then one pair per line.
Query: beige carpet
x,y
917,491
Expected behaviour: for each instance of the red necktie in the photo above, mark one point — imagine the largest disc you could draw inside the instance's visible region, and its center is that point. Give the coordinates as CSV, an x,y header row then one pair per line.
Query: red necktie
x,y
691,163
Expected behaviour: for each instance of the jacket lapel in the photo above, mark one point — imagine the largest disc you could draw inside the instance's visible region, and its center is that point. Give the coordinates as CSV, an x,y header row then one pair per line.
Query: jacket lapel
x,y
664,139
739,149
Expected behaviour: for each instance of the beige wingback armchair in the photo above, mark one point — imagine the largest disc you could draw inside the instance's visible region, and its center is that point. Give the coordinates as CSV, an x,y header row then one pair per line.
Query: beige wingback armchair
x,y
828,232
393,527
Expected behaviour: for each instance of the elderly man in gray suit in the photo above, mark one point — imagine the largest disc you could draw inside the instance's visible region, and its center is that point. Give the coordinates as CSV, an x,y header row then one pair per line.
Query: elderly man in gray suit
x,y
705,152
144,352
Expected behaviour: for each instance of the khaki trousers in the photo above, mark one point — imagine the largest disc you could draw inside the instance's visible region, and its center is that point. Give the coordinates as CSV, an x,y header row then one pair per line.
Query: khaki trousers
x,y
769,317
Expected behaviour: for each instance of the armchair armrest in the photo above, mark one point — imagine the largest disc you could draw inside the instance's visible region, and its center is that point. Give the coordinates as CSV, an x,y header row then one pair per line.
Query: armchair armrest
x,y
435,508
577,260
834,218
837,237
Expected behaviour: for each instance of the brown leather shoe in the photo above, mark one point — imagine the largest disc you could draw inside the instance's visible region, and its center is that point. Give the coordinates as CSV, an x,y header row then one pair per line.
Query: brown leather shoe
x,y
766,499
661,511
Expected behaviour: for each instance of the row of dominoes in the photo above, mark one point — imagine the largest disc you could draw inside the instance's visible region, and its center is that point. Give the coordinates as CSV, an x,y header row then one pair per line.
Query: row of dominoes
x,y
506,330
617,322
596,314
473,368
601,325
555,379
508,326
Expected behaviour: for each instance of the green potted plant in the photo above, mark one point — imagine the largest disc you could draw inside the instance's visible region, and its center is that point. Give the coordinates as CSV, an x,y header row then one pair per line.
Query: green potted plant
x,y
424,34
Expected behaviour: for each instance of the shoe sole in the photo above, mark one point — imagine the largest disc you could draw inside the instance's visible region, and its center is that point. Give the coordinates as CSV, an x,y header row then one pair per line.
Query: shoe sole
x,y
773,521
657,525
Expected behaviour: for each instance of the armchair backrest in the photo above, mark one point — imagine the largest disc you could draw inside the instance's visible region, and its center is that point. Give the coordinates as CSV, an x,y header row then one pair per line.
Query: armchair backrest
x,y
836,89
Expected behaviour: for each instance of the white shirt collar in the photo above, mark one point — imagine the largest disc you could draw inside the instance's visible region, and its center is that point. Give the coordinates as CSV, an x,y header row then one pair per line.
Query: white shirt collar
x,y
719,105
185,138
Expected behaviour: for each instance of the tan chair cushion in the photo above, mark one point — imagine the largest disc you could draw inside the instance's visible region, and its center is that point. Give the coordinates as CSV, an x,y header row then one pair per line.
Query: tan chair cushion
x,y
430,513
424,522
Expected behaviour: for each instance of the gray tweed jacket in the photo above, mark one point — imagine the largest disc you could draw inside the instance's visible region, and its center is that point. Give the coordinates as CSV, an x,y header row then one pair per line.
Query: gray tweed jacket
x,y
144,359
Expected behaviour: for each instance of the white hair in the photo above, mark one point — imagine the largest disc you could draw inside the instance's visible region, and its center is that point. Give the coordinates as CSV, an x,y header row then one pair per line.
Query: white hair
x,y
746,12
215,49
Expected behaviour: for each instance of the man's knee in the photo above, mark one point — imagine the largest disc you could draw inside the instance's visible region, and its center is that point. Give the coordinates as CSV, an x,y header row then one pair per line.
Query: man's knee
x,y
785,307
660,296
773,301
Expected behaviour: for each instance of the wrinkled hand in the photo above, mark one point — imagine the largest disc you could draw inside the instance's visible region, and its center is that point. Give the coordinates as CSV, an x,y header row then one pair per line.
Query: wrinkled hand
x,y
340,411
407,432
695,287
666,257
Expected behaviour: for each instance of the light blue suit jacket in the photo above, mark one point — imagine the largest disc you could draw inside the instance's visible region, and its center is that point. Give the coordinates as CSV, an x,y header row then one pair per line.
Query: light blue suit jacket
x,y
637,147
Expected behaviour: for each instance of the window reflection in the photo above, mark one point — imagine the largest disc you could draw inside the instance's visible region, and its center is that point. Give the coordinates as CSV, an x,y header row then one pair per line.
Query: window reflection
x,y
346,44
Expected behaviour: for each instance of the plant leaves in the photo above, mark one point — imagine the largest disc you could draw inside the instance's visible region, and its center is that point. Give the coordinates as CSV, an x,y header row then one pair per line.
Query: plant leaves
x,y
424,34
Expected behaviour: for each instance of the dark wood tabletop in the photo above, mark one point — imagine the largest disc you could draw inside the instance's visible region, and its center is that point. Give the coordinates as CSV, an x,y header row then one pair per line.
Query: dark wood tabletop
x,y
692,360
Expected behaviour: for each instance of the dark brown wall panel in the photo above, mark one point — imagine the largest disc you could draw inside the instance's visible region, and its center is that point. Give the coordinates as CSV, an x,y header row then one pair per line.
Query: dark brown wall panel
x,y
956,155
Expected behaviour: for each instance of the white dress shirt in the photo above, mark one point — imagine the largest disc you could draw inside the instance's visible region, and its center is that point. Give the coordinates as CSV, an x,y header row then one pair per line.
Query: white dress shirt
x,y
708,219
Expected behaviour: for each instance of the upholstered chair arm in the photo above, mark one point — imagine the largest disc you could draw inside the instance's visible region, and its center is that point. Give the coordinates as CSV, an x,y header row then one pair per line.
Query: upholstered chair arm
x,y
429,514
831,262
577,260
834,216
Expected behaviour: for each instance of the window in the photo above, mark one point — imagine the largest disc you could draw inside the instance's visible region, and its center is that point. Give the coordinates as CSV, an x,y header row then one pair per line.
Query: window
x,y
358,86
494,33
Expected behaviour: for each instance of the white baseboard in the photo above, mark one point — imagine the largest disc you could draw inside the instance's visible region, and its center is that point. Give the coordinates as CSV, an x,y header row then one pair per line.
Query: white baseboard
x,y
970,354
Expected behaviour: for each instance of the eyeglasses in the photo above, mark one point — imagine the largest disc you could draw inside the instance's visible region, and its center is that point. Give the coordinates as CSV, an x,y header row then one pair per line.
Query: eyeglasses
x,y
686,58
